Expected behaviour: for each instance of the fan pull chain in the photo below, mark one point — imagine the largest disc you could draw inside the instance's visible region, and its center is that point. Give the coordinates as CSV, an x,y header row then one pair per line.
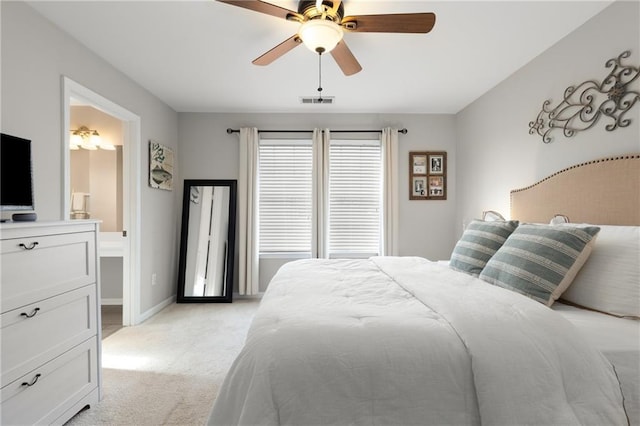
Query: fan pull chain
x,y
320,50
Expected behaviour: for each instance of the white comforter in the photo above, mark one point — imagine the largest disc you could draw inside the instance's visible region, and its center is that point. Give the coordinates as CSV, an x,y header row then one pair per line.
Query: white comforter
x,y
405,341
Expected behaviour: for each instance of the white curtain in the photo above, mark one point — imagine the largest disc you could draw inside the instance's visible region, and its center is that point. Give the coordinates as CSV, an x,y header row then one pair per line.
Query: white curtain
x,y
320,208
390,212
248,212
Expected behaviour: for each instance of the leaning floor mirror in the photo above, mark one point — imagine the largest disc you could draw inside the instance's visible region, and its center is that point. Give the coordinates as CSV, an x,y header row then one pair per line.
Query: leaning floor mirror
x,y
207,241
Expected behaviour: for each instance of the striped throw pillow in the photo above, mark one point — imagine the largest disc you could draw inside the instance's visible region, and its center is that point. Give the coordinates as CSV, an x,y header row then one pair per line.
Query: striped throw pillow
x,y
478,243
540,261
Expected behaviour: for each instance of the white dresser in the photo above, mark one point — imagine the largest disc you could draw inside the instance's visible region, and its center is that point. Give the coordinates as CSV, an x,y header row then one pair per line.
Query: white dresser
x,y
50,321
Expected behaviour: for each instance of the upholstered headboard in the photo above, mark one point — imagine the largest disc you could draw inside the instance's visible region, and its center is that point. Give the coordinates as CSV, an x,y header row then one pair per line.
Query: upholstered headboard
x,y
604,192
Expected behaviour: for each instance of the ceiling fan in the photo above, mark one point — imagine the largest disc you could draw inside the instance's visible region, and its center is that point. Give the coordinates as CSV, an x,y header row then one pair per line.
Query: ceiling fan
x,y
323,24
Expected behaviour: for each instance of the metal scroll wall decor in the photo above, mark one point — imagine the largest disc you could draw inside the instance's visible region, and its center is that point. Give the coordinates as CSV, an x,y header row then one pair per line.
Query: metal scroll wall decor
x,y
584,104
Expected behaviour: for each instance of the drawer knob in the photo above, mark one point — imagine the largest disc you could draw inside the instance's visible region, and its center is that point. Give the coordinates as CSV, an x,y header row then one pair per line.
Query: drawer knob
x,y
33,381
30,246
32,314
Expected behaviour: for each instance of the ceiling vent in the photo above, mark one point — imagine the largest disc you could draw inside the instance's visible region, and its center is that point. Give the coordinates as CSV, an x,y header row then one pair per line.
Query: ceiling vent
x,y
328,100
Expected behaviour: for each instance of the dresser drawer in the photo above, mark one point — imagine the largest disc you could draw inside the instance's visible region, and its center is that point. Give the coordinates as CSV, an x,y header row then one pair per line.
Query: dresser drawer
x,y
60,384
35,333
39,267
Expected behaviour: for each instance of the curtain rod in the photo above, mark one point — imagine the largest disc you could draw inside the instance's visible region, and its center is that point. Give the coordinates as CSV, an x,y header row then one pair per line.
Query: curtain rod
x,y
230,130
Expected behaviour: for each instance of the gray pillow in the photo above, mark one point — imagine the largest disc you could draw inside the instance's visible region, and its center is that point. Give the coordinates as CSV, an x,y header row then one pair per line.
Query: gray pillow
x,y
478,243
540,261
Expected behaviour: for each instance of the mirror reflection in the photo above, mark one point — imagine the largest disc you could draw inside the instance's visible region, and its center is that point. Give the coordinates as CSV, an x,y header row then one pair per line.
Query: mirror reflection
x,y
207,245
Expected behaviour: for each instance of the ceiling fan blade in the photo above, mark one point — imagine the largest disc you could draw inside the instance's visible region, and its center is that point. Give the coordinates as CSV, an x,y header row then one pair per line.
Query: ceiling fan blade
x,y
336,6
392,23
278,51
266,8
345,59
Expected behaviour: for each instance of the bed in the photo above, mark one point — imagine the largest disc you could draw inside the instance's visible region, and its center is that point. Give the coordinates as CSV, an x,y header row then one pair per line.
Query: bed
x,y
404,340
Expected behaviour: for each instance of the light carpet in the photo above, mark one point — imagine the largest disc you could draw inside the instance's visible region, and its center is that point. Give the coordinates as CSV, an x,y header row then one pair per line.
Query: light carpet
x,y
167,371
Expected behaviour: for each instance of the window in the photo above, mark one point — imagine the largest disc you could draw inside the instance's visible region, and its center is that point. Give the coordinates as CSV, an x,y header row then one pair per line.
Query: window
x,y
355,185
285,189
354,197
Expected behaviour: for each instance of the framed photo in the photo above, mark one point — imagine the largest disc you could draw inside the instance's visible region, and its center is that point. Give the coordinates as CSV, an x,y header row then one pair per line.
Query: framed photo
x,y
419,187
160,166
428,175
419,164
436,164
436,186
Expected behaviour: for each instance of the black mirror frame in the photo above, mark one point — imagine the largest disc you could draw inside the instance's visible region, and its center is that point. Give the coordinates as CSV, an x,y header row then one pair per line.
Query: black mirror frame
x,y
188,184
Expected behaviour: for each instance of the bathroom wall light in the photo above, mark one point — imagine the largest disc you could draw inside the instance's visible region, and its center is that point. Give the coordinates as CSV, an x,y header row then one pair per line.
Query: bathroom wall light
x,y
85,138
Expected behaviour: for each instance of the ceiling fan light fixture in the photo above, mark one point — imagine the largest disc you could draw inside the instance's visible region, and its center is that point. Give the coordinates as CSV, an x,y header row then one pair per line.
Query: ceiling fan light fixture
x,y
320,35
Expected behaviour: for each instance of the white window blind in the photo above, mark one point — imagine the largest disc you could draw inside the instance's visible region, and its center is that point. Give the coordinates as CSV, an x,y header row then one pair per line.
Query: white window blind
x,y
355,198
285,185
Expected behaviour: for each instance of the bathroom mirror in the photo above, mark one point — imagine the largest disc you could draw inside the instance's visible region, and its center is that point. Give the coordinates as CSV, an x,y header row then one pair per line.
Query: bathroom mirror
x,y
207,241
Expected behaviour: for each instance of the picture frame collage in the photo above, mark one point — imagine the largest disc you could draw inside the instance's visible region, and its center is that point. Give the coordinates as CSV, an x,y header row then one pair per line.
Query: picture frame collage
x,y
428,175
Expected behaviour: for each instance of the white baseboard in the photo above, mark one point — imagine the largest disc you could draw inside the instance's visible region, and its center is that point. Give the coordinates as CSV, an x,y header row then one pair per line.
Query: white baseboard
x,y
104,301
160,306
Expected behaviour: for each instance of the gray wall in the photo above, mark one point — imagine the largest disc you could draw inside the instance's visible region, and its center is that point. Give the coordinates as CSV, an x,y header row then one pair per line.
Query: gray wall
x,y
489,149
495,151
111,279
35,56
426,227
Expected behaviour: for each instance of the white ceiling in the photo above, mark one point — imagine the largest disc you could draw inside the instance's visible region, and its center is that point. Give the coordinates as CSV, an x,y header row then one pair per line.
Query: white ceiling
x,y
196,55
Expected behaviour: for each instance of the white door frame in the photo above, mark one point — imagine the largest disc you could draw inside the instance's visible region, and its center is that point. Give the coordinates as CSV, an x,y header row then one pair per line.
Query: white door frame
x,y
131,187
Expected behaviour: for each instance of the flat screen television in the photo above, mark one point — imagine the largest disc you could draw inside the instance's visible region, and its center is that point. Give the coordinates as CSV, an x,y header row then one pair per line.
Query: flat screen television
x,y
16,181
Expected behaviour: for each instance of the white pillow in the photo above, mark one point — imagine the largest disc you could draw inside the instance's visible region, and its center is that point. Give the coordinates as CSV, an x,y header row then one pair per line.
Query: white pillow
x,y
610,280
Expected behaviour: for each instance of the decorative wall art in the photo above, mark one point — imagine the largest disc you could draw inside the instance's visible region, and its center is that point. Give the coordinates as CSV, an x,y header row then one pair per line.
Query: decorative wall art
x,y
584,104
160,166
428,175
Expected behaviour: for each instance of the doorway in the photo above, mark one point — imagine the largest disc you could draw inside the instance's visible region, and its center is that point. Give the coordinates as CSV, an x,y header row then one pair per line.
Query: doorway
x,y
125,242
